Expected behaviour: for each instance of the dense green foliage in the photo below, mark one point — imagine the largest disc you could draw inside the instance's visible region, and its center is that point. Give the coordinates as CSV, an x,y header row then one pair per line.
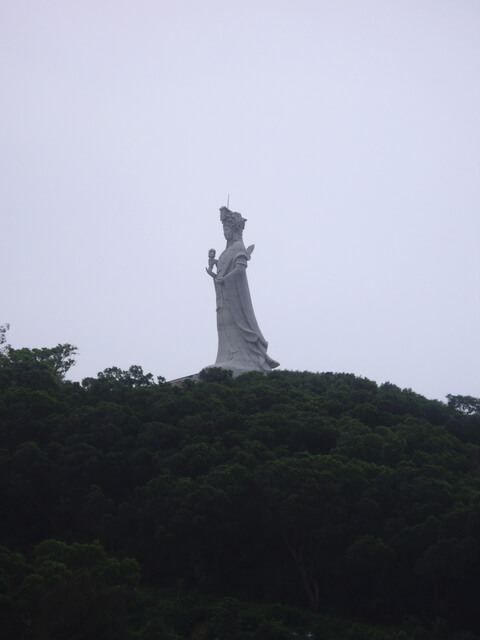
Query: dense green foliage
x,y
325,493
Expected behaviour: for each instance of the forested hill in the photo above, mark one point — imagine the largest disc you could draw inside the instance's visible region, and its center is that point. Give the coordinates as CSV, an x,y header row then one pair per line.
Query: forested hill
x,y
258,507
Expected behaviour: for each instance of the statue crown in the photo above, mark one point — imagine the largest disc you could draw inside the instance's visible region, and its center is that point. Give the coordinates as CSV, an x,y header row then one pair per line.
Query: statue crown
x,y
232,218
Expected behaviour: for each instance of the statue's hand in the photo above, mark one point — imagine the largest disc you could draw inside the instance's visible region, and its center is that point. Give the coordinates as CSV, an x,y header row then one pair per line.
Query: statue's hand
x,y
219,280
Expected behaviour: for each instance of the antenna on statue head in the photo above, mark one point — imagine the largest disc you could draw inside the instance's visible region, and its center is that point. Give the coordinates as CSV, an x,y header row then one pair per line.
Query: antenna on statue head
x,y
228,200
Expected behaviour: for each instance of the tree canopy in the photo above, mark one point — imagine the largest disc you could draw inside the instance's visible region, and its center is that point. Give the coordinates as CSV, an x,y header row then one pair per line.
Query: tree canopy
x,y
332,496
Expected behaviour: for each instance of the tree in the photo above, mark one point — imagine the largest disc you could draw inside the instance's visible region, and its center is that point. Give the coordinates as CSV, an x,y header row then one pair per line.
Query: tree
x,y
216,374
114,377
69,591
464,404
38,368
58,359
3,330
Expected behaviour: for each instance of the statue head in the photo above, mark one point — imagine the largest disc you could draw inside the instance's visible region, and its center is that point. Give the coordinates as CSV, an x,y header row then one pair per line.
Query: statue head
x,y
232,219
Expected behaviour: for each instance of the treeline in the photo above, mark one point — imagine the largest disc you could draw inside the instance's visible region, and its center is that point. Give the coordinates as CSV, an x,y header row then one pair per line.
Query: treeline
x,y
320,492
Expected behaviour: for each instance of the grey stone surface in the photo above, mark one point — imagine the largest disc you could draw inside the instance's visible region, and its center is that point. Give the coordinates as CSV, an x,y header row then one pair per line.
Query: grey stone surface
x,y
241,345
180,382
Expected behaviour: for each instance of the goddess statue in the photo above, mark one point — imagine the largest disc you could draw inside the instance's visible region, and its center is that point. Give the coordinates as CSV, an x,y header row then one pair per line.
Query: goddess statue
x,y
241,345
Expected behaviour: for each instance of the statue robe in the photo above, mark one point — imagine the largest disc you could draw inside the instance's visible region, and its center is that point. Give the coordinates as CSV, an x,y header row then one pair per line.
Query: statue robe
x,y
241,345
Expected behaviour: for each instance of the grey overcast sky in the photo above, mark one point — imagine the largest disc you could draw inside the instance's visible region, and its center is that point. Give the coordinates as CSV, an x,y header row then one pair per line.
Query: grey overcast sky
x,y
347,132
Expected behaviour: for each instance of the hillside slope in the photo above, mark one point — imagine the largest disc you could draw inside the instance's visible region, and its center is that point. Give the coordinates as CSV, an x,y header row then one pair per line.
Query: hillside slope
x,y
320,491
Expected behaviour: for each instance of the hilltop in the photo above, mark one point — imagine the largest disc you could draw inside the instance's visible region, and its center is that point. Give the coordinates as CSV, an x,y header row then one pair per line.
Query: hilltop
x,y
244,508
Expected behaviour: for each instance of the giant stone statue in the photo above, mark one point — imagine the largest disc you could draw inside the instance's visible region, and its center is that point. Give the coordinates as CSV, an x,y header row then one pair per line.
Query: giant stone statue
x,y
241,345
